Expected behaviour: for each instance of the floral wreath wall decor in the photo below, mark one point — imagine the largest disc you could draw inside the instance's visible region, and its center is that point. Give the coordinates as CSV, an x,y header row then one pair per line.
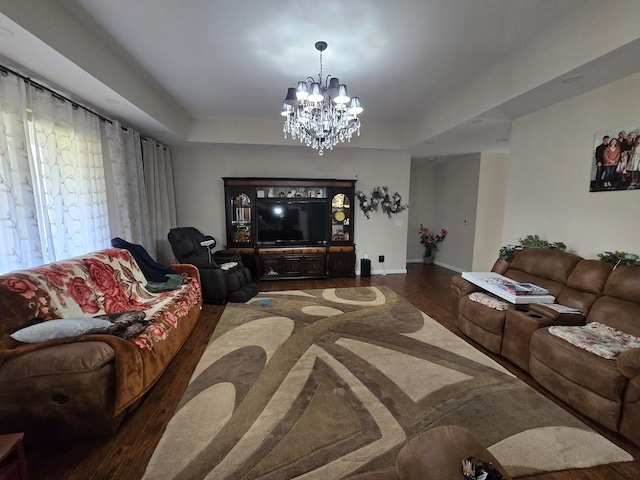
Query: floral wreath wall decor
x,y
380,198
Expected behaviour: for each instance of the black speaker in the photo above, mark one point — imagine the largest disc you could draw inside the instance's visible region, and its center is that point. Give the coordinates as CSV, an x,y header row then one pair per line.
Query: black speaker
x,y
365,267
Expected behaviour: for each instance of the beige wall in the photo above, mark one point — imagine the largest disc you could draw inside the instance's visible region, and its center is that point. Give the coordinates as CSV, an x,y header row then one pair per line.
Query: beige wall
x,y
198,173
456,190
549,173
444,194
422,205
464,194
492,188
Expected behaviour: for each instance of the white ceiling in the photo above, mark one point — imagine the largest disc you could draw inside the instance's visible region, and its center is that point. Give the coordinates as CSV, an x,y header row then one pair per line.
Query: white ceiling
x,y
439,77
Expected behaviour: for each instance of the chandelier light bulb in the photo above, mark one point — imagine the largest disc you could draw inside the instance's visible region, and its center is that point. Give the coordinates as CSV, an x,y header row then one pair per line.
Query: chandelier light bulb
x,y
355,107
317,114
302,91
316,94
287,109
342,96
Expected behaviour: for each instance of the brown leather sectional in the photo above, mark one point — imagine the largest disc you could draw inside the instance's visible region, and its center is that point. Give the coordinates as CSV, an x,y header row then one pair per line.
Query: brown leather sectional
x,y
607,391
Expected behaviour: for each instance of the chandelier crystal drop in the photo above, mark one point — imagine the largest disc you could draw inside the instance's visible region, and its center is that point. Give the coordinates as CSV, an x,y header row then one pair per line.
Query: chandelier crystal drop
x,y
320,115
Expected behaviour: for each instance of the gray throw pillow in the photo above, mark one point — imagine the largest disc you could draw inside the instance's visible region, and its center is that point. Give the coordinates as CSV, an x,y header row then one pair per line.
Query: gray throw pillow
x,y
62,328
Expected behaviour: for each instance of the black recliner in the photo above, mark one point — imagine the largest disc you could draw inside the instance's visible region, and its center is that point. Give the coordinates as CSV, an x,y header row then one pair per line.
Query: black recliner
x,y
219,285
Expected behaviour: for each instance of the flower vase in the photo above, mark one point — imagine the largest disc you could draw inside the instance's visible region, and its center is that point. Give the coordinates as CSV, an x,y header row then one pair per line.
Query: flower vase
x,y
427,259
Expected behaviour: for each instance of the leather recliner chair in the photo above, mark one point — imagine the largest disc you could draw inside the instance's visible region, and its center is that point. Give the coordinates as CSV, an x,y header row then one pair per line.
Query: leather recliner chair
x,y
219,285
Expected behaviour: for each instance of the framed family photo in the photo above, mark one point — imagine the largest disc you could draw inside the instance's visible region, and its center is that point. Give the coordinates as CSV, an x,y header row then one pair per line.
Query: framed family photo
x,y
615,163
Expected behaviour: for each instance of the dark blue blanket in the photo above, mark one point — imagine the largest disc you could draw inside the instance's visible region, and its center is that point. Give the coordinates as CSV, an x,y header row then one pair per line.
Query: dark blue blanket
x,y
152,270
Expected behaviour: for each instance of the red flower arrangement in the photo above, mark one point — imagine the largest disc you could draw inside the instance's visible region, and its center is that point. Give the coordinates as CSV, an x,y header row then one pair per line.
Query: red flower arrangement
x,y
430,241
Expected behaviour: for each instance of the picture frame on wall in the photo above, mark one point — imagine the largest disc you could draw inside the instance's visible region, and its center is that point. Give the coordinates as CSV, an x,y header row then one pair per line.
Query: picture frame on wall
x,y
615,163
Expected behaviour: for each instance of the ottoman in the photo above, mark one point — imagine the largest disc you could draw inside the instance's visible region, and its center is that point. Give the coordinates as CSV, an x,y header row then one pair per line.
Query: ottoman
x,y
435,454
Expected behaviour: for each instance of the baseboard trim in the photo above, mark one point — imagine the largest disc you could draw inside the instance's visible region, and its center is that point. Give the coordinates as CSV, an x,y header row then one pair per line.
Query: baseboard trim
x,y
441,264
385,272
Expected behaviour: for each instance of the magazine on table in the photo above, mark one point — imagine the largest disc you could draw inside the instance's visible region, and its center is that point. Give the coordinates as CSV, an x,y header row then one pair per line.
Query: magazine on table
x,y
563,308
517,288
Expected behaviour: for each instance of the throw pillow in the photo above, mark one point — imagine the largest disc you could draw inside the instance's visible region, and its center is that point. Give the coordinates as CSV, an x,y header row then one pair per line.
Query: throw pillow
x,y
488,301
61,328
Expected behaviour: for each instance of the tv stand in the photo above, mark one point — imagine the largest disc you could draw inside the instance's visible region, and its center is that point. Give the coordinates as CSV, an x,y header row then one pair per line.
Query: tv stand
x,y
292,262
325,246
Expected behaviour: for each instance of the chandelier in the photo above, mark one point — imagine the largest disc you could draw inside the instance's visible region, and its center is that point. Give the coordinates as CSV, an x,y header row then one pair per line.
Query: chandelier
x,y
321,116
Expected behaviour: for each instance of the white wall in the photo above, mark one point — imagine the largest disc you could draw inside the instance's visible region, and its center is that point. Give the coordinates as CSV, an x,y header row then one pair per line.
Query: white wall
x,y
549,173
198,173
492,190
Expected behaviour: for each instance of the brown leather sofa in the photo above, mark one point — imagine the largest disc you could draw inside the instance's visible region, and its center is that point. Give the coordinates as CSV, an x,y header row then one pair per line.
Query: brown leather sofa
x,y
86,384
605,390
435,454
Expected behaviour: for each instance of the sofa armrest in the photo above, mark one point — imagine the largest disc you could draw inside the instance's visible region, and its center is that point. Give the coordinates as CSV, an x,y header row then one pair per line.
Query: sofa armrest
x,y
186,269
462,287
628,363
214,285
556,318
459,288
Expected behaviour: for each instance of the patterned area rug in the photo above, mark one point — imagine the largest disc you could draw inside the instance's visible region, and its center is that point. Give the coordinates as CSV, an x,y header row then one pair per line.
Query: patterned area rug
x,y
319,384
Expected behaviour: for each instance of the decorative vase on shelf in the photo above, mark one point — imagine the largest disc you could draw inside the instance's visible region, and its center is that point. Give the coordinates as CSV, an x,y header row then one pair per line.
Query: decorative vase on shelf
x,y
427,259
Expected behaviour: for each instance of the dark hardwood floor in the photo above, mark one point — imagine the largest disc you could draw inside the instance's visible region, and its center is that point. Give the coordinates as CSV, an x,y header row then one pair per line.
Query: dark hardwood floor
x,y
125,454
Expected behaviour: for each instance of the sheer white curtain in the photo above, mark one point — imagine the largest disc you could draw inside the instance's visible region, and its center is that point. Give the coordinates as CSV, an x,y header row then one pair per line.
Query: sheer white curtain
x,y
126,195
54,201
20,245
71,186
158,175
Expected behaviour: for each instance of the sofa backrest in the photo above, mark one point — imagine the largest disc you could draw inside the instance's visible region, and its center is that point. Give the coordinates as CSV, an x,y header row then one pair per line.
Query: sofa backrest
x,y
601,292
619,306
185,243
547,268
107,281
585,284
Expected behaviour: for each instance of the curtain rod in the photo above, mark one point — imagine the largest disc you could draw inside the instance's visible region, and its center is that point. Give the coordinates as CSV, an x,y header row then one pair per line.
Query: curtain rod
x,y
53,92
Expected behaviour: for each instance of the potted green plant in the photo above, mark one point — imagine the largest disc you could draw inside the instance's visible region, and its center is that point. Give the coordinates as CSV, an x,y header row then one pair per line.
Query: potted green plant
x,y
530,241
620,258
429,240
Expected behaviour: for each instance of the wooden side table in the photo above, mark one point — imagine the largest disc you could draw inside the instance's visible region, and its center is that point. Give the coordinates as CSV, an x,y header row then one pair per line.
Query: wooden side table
x,y
13,462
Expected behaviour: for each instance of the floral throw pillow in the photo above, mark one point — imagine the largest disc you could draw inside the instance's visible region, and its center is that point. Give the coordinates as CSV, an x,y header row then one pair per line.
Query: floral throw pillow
x,y
597,338
488,301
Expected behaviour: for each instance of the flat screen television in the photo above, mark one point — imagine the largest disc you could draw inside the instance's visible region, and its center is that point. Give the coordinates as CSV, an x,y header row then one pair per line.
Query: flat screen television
x,y
291,222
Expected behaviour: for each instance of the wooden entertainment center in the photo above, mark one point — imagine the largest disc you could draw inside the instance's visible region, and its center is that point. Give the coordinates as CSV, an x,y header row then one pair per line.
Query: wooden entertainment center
x,y
291,228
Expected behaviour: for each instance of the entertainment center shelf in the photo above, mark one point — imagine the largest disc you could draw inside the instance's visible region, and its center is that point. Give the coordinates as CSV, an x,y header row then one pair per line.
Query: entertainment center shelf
x,y
291,228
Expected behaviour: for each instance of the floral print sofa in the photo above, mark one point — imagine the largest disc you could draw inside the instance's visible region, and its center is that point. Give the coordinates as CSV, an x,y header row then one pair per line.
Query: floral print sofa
x,y
85,385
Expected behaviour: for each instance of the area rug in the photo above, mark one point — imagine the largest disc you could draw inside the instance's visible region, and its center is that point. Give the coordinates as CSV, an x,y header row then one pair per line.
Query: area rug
x,y
320,384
